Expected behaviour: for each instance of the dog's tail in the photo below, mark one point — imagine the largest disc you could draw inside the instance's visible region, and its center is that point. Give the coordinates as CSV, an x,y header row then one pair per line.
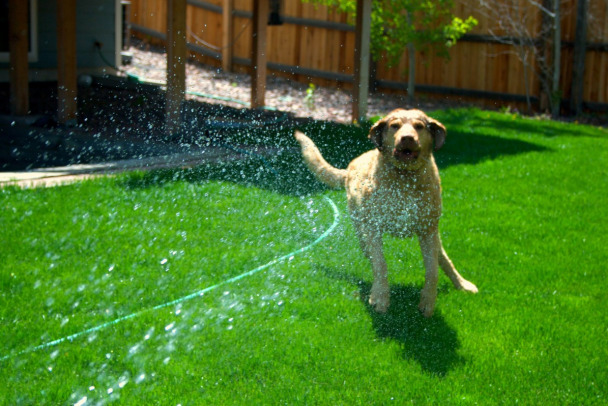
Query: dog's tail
x,y
332,177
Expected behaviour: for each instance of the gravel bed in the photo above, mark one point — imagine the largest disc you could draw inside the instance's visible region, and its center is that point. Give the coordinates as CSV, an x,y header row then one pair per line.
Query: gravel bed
x,y
331,104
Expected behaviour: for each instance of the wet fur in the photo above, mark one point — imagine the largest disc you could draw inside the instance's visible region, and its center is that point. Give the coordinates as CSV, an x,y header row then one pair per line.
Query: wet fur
x,y
394,189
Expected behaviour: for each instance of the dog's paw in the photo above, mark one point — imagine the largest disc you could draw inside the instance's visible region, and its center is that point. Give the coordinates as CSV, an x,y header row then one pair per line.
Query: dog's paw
x,y
379,299
468,286
427,304
380,305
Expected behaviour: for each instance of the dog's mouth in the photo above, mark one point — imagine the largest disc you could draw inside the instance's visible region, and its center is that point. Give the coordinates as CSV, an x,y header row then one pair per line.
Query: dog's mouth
x,y
406,154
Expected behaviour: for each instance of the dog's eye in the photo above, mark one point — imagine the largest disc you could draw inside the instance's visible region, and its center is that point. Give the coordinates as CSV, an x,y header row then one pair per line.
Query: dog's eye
x,y
395,125
419,126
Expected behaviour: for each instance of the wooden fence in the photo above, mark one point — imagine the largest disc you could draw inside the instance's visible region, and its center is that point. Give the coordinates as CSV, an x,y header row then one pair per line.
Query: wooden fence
x,y
317,45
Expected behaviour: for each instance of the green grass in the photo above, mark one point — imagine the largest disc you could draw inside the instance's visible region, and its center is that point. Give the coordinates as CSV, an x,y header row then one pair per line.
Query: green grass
x,y
524,219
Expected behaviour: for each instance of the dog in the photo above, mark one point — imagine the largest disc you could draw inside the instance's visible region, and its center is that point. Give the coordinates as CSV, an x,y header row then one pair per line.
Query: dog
x,y
394,188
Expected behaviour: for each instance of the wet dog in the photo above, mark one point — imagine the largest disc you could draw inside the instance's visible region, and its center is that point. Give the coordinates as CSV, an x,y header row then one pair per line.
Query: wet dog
x,y
394,188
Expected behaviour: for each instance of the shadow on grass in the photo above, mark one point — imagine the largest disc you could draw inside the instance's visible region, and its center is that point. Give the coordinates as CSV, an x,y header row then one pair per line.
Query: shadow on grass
x,y
432,343
284,172
467,148
123,121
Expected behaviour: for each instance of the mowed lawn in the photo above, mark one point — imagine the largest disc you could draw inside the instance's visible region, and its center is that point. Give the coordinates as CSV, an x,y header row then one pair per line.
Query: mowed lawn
x,y
125,290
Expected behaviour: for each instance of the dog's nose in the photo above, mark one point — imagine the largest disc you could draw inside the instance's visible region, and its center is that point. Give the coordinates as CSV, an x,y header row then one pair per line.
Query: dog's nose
x,y
408,141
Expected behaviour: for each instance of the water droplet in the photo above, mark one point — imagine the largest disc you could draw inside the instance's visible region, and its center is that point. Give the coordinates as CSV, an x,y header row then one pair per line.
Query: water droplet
x,y
134,349
81,402
149,333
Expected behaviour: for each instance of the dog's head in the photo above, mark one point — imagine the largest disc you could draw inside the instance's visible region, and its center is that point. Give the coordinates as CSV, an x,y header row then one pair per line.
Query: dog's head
x,y
407,137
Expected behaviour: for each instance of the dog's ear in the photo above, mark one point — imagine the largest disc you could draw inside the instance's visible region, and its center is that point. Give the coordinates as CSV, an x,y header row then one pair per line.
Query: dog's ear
x,y
438,132
376,133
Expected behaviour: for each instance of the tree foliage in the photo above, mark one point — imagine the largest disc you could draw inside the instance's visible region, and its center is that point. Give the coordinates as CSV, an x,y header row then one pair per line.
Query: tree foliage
x,y
397,24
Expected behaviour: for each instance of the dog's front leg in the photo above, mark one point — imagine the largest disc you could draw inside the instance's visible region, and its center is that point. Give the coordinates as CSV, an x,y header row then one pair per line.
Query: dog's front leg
x,y
371,245
430,246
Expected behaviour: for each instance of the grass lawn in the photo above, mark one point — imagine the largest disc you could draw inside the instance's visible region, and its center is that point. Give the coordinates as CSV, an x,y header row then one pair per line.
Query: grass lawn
x,y
95,279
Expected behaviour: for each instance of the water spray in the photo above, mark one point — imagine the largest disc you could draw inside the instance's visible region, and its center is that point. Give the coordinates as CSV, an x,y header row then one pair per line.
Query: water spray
x,y
197,294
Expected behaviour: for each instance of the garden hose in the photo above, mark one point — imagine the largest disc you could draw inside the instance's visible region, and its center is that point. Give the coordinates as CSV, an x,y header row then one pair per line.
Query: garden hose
x,y
199,293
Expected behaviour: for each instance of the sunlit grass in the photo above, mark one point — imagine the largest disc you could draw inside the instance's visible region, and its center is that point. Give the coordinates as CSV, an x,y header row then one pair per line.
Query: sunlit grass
x,y
524,218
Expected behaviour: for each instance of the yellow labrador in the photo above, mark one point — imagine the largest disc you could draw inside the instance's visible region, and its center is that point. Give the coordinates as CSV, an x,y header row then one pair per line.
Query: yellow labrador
x,y
394,189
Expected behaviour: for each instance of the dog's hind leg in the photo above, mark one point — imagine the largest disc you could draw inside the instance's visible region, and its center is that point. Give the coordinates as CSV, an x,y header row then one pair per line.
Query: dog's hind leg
x,y
459,282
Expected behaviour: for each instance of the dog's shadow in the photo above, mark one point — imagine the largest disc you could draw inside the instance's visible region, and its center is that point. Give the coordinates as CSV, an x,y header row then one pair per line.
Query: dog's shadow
x,y
431,342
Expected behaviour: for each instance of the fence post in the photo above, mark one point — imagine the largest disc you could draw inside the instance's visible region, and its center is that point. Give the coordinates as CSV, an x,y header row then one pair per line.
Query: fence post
x,y
258,57
176,64
227,38
362,54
